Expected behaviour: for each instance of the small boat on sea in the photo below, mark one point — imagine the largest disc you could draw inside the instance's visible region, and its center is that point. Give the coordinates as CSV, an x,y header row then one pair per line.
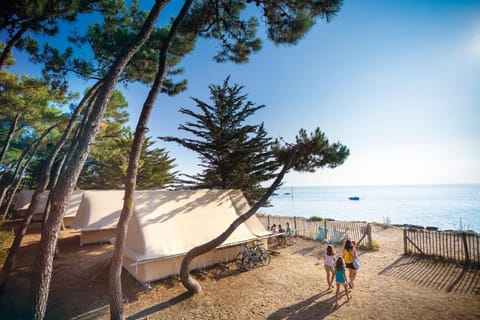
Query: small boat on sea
x,y
355,198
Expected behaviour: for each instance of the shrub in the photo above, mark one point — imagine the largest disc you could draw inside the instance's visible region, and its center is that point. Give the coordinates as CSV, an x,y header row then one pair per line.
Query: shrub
x,y
315,218
375,246
5,239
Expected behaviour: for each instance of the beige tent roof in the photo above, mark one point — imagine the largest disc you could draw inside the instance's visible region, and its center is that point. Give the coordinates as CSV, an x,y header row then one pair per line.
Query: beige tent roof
x,y
170,223
74,203
98,210
25,197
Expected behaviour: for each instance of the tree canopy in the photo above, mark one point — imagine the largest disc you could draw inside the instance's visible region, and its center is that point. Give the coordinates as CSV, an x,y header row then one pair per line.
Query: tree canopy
x,y
228,22
234,153
307,154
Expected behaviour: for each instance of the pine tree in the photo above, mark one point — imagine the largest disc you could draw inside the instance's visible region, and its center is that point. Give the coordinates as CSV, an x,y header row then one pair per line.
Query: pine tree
x,y
233,153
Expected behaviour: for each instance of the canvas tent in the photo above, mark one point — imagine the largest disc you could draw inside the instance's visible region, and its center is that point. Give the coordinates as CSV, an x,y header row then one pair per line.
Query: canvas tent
x,y
165,225
72,207
24,199
97,215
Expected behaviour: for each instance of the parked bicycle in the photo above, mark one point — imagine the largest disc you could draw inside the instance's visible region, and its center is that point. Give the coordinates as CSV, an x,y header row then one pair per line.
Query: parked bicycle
x,y
291,238
252,256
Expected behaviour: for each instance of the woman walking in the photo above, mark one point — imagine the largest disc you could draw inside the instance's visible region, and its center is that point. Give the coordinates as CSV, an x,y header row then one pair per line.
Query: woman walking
x,y
329,264
350,253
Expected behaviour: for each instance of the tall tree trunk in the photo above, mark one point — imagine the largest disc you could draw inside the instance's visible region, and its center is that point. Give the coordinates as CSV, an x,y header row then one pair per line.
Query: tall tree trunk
x,y
25,166
42,272
86,101
13,128
33,149
115,276
55,176
42,186
191,284
81,129
18,166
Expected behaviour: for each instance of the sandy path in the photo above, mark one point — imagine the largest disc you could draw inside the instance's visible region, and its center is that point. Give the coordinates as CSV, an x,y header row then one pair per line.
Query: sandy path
x,y
293,286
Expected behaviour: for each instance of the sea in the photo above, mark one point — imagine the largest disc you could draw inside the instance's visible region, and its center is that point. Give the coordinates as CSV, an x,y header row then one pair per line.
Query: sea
x,y
447,207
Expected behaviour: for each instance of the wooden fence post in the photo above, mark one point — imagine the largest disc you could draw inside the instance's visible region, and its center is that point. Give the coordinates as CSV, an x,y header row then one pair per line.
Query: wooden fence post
x,y
465,247
405,240
369,236
295,222
268,221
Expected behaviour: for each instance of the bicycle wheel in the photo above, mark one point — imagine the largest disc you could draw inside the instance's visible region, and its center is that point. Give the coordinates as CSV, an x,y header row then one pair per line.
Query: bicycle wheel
x,y
265,258
239,261
249,263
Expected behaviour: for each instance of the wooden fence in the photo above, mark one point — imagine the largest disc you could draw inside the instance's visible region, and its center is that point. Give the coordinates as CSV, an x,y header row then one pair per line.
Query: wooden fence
x,y
458,246
358,231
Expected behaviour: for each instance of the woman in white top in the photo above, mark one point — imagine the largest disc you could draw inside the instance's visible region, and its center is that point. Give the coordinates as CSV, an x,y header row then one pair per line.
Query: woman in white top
x,y
329,258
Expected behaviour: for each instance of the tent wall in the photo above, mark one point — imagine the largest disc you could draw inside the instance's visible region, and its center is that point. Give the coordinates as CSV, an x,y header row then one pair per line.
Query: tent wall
x,y
67,221
167,224
24,198
151,271
97,236
97,215
72,207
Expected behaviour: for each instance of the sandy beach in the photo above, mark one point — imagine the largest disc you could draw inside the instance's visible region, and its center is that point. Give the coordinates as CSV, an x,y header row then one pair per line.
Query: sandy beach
x,y
388,286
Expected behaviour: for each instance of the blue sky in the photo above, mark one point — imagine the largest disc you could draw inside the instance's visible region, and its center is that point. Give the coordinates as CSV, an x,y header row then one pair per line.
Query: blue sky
x,y
398,82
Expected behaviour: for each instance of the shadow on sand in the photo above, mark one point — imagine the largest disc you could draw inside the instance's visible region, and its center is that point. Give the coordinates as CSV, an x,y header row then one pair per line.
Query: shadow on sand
x,y
448,277
312,308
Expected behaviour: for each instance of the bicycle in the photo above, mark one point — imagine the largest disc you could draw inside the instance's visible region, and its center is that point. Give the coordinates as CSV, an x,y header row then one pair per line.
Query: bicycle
x,y
251,257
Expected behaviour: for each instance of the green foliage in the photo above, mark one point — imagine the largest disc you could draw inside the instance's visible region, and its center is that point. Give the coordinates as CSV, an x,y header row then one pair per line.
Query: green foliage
x,y
311,152
288,21
375,246
228,22
6,236
155,169
315,218
35,103
21,17
106,166
107,39
234,154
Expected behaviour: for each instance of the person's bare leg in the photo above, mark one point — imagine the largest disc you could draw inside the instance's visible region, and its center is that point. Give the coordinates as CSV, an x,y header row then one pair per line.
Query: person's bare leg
x,y
346,291
336,295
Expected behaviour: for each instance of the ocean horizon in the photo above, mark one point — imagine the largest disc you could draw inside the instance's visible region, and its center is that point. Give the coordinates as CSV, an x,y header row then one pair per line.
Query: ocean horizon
x,y
445,206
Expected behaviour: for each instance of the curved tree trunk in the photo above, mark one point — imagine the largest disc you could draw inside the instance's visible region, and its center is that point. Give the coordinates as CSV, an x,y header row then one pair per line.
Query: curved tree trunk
x,y
33,148
115,279
11,43
18,166
42,272
13,128
47,176
52,186
191,284
42,186
17,183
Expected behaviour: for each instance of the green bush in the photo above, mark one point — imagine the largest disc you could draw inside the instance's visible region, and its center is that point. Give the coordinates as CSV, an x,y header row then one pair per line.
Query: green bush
x,y
315,218
375,246
5,238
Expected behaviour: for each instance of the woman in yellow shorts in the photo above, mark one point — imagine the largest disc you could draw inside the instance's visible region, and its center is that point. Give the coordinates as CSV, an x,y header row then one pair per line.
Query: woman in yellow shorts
x,y
349,253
